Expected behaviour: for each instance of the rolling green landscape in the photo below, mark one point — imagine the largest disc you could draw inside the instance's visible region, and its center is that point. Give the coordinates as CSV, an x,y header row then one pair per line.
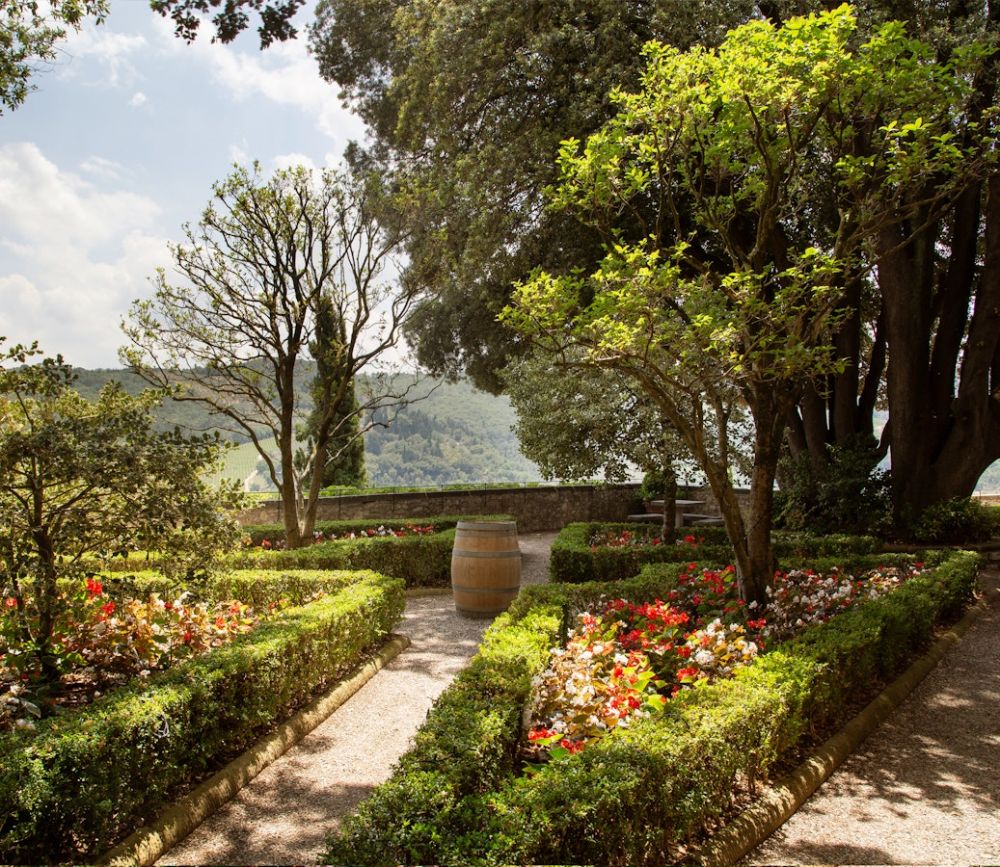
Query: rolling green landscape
x,y
454,434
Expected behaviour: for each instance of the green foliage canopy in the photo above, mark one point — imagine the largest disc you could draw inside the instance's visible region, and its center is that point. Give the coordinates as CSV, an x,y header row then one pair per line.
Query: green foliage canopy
x,y
29,31
735,281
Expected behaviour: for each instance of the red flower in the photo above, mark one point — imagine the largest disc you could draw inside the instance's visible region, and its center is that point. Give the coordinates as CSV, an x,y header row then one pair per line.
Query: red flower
x,y
539,733
690,540
688,673
187,636
265,544
94,587
220,622
10,602
108,608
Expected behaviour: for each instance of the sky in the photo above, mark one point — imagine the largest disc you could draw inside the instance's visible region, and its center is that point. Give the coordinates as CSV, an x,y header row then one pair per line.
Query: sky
x,y
119,147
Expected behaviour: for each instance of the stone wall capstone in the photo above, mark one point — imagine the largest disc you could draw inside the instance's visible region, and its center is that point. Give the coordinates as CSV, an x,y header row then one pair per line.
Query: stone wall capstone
x,y
546,507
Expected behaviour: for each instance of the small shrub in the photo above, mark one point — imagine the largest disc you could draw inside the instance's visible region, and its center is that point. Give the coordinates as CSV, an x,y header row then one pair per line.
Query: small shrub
x,y
958,522
847,493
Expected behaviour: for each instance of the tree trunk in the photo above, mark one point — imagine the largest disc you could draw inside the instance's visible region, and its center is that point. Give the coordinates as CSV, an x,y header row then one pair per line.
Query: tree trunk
x,y
941,439
669,530
289,493
46,592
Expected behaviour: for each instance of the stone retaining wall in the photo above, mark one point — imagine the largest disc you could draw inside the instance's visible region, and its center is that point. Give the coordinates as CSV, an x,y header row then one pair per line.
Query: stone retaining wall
x,y
548,507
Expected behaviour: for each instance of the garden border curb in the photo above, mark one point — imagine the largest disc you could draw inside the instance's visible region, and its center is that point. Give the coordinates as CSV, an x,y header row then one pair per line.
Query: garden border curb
x,y
777,803
149,843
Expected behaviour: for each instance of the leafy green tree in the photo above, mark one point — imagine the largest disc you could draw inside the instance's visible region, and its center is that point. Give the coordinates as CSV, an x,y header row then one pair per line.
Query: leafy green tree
x,y
29,31
232,18
577,422
718,157
82,479
265,259
466,102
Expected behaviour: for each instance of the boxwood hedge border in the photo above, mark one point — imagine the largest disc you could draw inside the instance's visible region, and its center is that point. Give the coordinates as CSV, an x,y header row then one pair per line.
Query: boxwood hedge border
x,y
573,560
630,797
87,778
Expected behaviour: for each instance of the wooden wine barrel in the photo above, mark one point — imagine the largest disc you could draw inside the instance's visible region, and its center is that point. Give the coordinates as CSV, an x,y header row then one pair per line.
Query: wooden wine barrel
x,y
485,567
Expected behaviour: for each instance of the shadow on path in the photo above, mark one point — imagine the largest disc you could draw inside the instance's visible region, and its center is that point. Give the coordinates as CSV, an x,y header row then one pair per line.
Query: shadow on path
x,y
925,787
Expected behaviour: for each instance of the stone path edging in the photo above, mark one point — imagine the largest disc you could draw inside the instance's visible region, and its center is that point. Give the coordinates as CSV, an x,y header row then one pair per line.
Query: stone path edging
x,y
779,802
148,843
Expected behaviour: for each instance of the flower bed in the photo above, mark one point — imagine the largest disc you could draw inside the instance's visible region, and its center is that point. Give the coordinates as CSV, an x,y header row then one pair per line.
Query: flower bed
x,y
86,778
277,542
254,535
606,552
100,643
458,796
624,661
114,627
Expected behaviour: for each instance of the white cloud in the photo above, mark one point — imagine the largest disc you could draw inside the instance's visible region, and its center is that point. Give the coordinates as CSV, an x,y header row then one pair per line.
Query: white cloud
x,y
104,49
89,252
39,201
238,153
138,99
103,168
287,161
285,74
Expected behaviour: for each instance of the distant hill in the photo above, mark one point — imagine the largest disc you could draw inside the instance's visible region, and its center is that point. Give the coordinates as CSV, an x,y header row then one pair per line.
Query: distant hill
x,y
454,434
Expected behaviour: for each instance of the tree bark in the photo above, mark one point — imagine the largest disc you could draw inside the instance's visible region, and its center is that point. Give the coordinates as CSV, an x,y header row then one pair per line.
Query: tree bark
x,y
669,530
942,438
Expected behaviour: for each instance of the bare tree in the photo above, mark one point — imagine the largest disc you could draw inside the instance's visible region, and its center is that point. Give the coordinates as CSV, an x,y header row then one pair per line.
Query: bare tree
x,y
265,258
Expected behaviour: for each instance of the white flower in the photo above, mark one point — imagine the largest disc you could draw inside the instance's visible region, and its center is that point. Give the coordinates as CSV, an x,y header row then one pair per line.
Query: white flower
x,y
704,658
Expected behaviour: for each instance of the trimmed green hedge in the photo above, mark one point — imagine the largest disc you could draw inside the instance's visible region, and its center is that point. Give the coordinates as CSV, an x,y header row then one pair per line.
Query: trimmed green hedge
x,y
573,560
256,587
419,561
87,778
630,796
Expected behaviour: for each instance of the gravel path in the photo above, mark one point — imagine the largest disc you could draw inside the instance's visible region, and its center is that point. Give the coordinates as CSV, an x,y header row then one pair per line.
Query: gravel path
x,y
925,788
284,815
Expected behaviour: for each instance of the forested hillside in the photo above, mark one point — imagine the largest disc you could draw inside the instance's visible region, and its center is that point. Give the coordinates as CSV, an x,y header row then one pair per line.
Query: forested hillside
x,y
456,434
453,434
